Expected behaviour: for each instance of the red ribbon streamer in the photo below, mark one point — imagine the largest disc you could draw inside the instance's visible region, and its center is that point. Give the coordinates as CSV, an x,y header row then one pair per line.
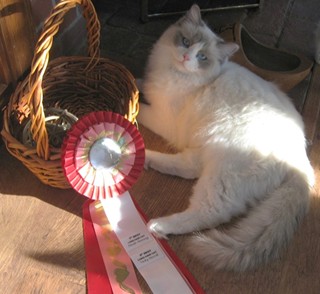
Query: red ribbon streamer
x,y
97,278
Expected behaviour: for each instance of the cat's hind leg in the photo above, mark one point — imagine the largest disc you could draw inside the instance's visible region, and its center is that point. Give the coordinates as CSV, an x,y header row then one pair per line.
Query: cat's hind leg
x,y
184,164
184,222
222,194
209,207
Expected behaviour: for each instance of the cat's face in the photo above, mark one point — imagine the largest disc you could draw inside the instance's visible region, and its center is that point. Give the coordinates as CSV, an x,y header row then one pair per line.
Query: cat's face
x,y
195,48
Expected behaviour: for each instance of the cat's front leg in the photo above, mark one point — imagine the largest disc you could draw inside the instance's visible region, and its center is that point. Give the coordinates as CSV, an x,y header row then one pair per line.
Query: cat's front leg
x,y
156,120
183,164
149,117
144,115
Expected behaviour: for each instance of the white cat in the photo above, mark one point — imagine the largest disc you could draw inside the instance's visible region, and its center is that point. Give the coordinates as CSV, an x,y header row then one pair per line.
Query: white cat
x,y
238,134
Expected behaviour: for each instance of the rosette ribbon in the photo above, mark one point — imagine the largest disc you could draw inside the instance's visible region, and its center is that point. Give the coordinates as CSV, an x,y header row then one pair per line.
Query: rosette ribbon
x,y
102,157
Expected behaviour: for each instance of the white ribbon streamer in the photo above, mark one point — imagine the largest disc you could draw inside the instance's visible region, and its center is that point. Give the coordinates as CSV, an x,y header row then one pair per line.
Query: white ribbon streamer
x,y
145,251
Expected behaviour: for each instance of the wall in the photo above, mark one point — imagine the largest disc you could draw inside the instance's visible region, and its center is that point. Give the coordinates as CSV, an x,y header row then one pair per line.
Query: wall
x,y
21,22
16,39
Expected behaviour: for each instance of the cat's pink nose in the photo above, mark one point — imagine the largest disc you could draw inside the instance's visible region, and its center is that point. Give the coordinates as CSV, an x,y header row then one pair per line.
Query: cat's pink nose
x,y
186,57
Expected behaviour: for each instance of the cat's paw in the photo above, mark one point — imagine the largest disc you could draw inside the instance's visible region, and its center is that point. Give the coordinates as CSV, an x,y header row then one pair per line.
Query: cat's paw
x,y
157,228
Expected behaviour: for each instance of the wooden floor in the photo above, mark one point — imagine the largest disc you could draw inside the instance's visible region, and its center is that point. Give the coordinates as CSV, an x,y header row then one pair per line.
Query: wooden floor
x,y
41,241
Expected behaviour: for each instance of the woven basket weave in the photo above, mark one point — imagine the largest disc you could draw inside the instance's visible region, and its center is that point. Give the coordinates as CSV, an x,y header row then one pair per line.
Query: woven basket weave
x,y
76,84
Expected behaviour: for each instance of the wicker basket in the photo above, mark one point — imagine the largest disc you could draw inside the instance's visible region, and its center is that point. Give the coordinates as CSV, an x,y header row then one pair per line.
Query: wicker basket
x,y
76,85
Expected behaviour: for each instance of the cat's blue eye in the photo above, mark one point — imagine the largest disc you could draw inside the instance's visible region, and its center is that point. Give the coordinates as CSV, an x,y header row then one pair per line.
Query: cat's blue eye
x,y
201,56
185,42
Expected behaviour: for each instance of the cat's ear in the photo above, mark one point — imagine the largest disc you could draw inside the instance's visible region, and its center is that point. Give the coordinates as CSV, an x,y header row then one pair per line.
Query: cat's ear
x,y
194,14
227,49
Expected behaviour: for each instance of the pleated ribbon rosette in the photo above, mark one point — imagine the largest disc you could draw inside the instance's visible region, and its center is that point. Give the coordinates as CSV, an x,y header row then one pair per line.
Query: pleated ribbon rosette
x,y
103,156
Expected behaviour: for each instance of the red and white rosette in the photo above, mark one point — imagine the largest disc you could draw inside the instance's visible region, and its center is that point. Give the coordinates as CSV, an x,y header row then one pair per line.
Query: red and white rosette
x,y
103,155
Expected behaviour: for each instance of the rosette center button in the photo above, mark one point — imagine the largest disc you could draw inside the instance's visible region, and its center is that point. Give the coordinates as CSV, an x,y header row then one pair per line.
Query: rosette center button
x,y
104,153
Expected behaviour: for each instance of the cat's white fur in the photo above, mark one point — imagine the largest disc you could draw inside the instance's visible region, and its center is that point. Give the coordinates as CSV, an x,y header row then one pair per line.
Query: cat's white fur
x,y
239,135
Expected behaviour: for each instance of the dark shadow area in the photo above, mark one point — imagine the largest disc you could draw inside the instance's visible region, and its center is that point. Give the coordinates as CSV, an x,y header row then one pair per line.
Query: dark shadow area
x,y
16,179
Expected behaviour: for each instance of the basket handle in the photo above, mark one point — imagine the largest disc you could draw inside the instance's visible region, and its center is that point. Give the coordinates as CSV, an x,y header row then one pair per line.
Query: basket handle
x,y
41,59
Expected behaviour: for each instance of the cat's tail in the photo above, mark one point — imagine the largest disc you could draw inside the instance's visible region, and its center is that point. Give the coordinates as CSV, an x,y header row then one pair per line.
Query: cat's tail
x,y
260,236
